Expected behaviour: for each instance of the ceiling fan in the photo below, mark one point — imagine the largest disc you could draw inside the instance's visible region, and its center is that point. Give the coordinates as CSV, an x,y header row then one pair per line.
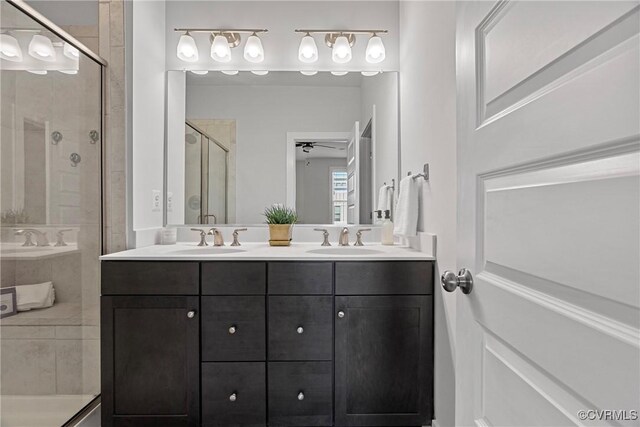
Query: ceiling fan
x,y
308,145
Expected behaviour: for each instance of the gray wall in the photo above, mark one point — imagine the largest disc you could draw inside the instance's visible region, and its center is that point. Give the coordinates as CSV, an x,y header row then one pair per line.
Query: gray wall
x,y
313,189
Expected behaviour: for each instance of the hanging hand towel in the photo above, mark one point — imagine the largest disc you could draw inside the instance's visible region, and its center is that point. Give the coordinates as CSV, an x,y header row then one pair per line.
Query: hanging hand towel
x,y
406,214
40,295
384,198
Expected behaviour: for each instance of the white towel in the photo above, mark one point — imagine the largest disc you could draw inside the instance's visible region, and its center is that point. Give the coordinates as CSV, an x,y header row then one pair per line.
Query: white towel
x,y
40,295
406,213
384,202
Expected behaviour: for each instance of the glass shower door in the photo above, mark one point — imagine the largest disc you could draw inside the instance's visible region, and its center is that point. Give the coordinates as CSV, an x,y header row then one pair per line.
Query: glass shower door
x,y
51,225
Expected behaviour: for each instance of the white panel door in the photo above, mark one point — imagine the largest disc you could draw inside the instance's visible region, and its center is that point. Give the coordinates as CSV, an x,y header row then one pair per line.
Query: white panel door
x,y
353,175
548,213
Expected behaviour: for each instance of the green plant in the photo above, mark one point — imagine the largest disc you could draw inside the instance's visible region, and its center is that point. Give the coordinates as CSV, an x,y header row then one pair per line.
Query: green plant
x,y
279,214
12,217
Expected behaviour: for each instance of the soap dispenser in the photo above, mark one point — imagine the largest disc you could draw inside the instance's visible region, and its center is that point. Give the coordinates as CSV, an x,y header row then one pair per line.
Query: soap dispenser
x,y
387,229
378,218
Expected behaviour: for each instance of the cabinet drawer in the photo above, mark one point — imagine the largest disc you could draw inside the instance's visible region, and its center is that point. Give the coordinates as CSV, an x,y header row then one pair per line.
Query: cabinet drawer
x,y
233,328
386,277
300,327
233,394
234,278
300,394
291,278
150,278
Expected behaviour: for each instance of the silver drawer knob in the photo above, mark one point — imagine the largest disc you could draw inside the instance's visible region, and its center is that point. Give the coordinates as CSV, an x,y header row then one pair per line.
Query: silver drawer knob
x,y
341,314
300,329
301,396
191,314
233,397
232,329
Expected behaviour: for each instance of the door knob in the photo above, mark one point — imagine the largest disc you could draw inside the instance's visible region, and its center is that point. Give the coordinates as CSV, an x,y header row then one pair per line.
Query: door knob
x,y
463,280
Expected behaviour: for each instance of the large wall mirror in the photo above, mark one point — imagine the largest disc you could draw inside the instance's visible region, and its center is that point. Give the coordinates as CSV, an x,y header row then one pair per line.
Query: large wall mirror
x,y
236,144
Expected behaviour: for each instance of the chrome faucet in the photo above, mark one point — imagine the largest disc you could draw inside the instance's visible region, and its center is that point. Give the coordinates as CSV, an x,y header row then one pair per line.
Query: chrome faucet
x,y
41,236
235,236
60,237
344,237
218,240
203,236
325,235
359,236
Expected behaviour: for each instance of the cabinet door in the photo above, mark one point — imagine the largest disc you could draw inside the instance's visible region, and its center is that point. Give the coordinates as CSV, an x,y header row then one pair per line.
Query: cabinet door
x,y
150,357
383,360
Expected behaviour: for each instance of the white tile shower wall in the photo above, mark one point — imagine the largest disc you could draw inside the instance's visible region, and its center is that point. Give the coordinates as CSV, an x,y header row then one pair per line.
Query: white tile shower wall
x,y
428,128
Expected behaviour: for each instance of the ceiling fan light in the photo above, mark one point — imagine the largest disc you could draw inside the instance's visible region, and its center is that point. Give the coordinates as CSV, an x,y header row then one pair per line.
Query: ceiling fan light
x,y
40,47
70,51
253,50
187,49
341,52
220,50
375,52
308,50
9,48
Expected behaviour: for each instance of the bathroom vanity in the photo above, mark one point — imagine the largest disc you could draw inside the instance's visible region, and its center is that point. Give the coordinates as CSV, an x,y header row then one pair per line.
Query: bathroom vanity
x,y
267,336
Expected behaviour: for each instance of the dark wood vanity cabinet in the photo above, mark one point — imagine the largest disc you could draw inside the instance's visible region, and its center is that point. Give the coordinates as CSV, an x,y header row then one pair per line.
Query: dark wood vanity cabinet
x,y
267,343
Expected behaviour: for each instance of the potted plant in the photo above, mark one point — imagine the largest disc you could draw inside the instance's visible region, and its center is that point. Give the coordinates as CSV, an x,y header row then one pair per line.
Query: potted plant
x,y
280,219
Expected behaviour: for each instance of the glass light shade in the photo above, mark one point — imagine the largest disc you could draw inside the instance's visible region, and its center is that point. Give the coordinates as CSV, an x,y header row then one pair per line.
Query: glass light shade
x,y
260,72
308,72
341,53
70,51
38,72
369,73
220,50
71,72
375,50
230,72
200,72
339,73
253,51
9,48
40,47
308,50
187,49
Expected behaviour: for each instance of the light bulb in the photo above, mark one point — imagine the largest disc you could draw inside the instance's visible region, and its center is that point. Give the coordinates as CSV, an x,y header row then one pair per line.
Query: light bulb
x,y
253,51
70,51
308,50
187,49
9,48
230,72
220,50
200,72
308,72
341,53
40,47
375,50
339,73
260,72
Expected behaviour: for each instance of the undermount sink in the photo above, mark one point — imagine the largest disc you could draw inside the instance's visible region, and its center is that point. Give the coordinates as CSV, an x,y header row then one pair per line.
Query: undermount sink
x,y
207,250
344,251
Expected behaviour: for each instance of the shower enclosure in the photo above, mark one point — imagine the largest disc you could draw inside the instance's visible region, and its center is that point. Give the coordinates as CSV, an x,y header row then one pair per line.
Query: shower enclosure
x,y
51,220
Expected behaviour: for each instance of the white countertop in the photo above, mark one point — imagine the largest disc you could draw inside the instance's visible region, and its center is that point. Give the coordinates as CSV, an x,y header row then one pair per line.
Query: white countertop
x,y
264,252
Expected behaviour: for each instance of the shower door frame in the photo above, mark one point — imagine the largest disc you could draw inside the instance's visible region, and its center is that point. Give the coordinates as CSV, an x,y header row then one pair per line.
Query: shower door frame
x,y
63,35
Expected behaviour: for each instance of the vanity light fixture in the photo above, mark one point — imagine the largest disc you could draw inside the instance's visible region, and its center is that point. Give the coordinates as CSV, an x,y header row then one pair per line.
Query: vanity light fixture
x,y
260,72
38,72
339,73
200,72
308,72
70,51
253,50
222,41
369,73
375,52
41,47
187,49
308,50
70,72
230,72
341,42
9,48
